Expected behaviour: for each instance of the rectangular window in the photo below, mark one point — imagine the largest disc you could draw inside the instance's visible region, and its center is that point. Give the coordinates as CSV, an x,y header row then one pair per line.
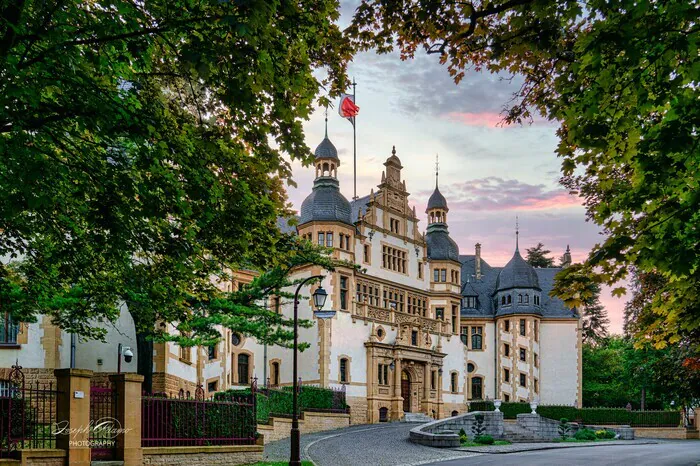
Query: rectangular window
x,y
523,380
537,386
212,352
454,319
394,259
342,241
506,325
277,304
443,275
537,331
420,270
365,253
477,338
506,375
506,349
321,239
329,239
414,338
537,362
8,330
343,293
433,380
522,327
470,302
523,354
383,374
436,275
506,397
212,386
453,382
343,370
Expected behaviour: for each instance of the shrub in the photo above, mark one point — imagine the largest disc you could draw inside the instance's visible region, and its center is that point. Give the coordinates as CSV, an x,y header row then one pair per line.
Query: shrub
x,y
481,406
462,432
604,434
478,428
585,434
564,428
484,439
511,410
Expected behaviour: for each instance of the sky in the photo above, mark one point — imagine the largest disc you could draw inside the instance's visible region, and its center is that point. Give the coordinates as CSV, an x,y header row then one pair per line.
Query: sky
x,y
489,173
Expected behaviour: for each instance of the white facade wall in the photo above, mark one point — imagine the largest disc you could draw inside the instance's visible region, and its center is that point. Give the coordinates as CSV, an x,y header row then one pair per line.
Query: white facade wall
x,y
559,364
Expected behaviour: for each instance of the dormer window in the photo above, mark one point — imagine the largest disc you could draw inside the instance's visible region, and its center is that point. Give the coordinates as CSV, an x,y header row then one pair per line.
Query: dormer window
x,y
509,299
520,298
527,299
470,302
503,300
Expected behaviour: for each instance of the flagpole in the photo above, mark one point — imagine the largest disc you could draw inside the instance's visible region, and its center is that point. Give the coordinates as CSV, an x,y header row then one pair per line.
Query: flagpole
x,y
354,146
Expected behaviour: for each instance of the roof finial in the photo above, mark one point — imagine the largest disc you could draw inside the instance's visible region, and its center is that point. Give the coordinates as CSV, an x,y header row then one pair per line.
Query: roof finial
x,y
437,169
393,150
517,232
326,113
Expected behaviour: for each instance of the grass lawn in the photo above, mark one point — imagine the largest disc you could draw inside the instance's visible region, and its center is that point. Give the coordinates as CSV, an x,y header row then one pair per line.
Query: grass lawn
x,y
474,444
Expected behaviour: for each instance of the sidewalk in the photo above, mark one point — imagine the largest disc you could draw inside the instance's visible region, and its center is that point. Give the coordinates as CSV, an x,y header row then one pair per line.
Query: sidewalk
x,y
520,447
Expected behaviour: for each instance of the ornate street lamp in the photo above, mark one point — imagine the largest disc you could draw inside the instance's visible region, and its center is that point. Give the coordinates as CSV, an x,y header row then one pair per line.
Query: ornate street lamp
x,y
319,297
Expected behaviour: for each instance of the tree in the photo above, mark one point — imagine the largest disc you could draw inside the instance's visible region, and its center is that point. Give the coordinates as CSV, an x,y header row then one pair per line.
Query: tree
x,y
141,153
595,320
537,257
620,78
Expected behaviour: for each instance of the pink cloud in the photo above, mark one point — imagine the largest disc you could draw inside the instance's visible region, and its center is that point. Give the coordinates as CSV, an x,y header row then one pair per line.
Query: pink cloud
x,y
489,119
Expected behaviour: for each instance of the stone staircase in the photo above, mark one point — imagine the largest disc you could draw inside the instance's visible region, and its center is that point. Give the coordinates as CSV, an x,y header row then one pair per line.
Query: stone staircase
x,y
518,434
416,417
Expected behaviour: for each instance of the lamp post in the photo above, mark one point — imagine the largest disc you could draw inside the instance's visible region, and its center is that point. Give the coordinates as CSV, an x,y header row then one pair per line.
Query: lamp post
x,y
319,297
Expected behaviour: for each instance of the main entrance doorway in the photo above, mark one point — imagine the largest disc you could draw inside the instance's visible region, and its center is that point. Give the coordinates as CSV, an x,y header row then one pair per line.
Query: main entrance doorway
x,y
406,391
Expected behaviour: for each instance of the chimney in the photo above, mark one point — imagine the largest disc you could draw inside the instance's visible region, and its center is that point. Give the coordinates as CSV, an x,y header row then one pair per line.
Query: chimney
x,y
477,261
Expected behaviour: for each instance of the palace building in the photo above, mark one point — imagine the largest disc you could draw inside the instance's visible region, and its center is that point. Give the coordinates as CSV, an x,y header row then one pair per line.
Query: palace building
x,y
418,328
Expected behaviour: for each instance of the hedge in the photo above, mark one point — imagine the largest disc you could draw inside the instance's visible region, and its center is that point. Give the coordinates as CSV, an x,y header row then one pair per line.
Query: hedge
x,y
595,416
275,402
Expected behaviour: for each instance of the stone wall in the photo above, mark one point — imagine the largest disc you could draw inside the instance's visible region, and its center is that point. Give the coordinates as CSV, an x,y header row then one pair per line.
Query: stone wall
x,y
548,429
444,433
31,375
203,456
280,427
172,384
40,457
665,432
358,409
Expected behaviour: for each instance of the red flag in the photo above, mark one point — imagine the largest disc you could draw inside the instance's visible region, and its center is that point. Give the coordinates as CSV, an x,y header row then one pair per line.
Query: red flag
x,y
347,108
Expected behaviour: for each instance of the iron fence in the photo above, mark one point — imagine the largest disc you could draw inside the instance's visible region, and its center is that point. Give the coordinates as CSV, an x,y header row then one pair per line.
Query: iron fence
x,y
103,420
184,421
27,414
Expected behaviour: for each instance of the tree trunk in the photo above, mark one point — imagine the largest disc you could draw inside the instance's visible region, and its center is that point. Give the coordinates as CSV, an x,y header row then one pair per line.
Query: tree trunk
x,y
144,348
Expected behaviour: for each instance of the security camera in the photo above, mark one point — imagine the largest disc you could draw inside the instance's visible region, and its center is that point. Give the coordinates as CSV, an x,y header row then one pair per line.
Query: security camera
x,y
128,354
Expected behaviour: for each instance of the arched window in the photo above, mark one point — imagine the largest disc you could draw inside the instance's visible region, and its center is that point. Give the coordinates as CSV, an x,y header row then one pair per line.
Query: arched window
x,y
454,382
527,299
503,300
383,414
477,388
344,370
455,413
509,299
275,373
243,368
520,299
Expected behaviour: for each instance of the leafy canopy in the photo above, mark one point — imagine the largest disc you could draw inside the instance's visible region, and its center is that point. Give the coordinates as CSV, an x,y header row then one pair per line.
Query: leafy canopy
x,y
538,256
141,153
621,79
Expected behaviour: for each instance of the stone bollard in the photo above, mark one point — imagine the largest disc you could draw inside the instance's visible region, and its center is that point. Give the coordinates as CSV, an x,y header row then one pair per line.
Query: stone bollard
x,y
128,388
73,414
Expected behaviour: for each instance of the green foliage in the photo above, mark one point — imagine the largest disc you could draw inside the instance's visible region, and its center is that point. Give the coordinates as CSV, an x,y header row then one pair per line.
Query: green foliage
x,y
144,149
462,433
481,406
564,428
604,434
594,318
539,256
619,78
484,440
585,434
511,410
478,427
557,412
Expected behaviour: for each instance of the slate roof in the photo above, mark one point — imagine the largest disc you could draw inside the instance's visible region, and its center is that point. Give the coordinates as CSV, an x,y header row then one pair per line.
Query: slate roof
x,y
440,245
517,274
486,287
326,150
437,201
359,206
325,203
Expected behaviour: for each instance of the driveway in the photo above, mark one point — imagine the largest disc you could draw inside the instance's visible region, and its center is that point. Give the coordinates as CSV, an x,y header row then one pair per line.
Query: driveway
x,y
664,453
376,445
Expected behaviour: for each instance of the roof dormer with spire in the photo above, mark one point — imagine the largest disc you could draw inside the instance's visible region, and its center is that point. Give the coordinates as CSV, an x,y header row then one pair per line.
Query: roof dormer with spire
x,y
440,245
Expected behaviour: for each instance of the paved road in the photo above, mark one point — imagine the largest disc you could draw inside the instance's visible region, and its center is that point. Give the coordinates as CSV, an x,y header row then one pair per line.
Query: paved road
x,y
376,445
667,453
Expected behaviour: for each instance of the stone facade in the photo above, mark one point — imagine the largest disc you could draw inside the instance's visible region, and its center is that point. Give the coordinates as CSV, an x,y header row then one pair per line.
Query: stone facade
x,y
203,456
445,433
395,343
279,428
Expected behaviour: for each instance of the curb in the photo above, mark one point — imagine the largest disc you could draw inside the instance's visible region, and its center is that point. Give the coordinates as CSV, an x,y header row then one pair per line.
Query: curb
x,y
554,447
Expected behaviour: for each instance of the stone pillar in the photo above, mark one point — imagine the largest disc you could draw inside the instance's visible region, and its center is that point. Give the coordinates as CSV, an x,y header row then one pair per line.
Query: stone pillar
x,y
397,403
427,379
73,414
439,397
128,388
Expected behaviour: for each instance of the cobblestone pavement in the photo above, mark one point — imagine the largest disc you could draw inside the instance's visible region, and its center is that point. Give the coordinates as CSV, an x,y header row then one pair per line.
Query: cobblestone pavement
x,y
376,445
519,447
